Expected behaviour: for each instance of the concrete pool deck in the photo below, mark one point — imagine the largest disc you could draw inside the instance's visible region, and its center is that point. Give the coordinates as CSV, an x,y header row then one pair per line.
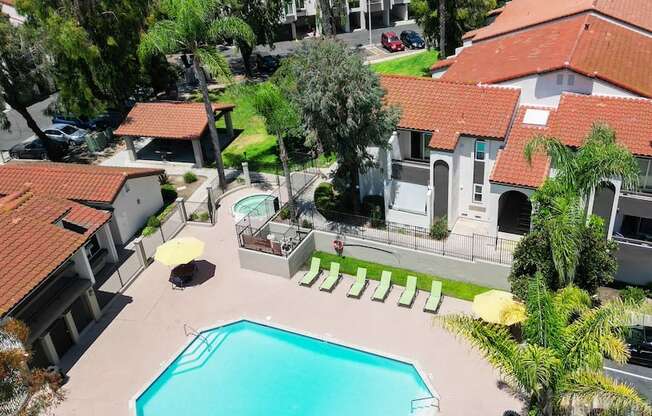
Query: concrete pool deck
x,y
144,329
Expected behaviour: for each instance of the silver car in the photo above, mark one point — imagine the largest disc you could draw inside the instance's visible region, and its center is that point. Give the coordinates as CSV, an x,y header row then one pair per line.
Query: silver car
x,y
66,133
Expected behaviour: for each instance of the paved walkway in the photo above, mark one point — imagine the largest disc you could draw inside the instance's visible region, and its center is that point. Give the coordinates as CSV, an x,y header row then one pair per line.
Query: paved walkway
x,y
144,328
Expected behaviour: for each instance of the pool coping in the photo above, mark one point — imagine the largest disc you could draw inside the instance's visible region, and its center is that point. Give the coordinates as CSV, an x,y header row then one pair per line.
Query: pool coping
x,y
268,323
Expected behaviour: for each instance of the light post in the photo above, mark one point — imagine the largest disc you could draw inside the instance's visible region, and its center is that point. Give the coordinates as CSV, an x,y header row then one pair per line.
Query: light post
x,y
369,15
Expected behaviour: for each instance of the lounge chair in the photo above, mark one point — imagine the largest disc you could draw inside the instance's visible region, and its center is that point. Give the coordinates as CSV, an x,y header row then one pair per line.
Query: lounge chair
x,y
409,293
333,278
435,297
381,292
359,285
312,274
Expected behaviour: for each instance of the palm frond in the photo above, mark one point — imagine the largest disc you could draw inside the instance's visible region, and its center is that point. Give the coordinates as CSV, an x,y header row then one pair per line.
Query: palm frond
x,y
564,230
233,28
162,38
500,349
592,386
571,300
560,154
595,334
214,62
543,324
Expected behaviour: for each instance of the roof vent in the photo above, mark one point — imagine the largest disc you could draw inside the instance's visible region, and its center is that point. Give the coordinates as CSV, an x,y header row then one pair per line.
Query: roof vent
x,y
536,117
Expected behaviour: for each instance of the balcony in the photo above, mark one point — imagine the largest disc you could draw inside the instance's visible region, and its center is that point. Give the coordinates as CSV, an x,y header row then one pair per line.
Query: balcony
x,y
634,260
411,171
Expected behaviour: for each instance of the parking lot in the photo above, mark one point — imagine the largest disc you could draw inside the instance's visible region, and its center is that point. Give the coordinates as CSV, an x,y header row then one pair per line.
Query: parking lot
x,y
637,376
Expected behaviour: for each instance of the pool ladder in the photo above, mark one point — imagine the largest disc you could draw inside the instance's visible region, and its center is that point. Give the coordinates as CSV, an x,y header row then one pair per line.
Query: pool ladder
x,y
431,403
188,330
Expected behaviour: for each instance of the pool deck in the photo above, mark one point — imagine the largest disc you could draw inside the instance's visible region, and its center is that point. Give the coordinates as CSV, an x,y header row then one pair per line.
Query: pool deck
x,y
144,329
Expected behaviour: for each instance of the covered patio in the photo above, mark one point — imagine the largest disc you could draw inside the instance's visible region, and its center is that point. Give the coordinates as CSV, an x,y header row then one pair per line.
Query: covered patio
x,y
175,131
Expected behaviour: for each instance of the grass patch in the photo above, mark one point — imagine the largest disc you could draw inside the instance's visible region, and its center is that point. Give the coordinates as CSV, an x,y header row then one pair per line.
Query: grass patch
x,y
254,144
452,288
415,65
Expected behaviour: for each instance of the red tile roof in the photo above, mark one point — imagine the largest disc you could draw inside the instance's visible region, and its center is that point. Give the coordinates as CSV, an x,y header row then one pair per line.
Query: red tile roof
x,y
571,123
168,120
90,183
11,3
32,246
511,167
470,34
630,118
585,44
449,110
521,14
444,63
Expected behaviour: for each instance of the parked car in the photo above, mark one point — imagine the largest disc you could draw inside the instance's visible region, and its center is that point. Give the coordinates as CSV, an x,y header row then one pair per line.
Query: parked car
x,y
66,133
33,148
412,40
639,341
100,122
391,42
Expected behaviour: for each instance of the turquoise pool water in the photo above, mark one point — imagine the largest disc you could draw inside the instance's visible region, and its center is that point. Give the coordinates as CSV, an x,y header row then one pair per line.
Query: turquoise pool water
x,y
253,205
256,370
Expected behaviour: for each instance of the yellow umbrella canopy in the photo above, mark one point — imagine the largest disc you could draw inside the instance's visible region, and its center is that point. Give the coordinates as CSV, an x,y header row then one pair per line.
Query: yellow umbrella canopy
x,y
498,307
179,251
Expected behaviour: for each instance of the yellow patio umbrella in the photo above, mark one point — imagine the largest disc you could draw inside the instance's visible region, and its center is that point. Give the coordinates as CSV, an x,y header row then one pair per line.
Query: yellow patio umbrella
x,y
498,307
179,251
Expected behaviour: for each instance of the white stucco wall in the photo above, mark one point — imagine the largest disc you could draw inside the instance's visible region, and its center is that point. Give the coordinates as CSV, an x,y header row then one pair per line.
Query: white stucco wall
x,y
604,88
493,199
372,181
138,199
439,72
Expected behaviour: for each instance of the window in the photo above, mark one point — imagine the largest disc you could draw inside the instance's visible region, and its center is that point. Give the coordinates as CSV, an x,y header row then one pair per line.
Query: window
x,y
571,80
69,130
53,132
92,247
419,145
480,149
560,79
477,193
301,4
645,175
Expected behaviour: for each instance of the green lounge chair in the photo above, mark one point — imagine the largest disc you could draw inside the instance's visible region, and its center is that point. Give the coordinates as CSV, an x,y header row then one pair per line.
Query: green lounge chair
x,y
359,285
333,278
409,293
381,292
312,274
435,297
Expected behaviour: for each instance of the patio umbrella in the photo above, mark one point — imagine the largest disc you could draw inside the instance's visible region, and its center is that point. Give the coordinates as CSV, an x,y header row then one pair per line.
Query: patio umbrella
x,y
498,307
179,251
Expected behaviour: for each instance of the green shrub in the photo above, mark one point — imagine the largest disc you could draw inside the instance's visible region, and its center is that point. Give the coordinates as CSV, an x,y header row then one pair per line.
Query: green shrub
x,y
153,222
325,198
439,228
189,177
169,193
284,213
148,231
633,294
163,179
306,224
201,216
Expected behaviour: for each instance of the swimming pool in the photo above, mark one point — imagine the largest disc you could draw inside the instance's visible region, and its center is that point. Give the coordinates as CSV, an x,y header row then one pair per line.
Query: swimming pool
x,y
259,205
247,369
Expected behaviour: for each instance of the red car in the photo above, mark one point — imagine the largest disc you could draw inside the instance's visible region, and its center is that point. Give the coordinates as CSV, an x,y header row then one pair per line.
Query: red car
x,y
391,42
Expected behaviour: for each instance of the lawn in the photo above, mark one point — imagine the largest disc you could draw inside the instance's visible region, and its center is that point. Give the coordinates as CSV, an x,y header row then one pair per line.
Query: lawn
x,y
452,288
414,65
254,144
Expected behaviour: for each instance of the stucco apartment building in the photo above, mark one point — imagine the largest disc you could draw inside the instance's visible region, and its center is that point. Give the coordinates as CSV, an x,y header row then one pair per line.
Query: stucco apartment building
x,y
552,68
300,16
59,226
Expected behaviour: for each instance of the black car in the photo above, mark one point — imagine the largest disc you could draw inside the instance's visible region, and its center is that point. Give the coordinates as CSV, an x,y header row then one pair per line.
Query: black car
x,y
34,149
412,40
639,341
102,121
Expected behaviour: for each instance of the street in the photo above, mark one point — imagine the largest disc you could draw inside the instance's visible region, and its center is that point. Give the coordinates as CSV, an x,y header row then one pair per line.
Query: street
x,y
637,376
19,131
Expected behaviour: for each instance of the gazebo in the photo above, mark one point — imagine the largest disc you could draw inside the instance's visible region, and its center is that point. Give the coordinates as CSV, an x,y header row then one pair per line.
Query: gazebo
x,y
175,121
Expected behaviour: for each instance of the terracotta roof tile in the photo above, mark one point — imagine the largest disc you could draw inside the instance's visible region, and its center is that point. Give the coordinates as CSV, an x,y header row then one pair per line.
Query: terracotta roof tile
x,y
449,110
521,14
585,44
167,120
511,167
70,181
630,118
33,246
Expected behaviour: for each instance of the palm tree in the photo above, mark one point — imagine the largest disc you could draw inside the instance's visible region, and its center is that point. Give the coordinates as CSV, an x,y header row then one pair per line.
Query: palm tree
x,y
195,27
560,204
559,363
442,28
281,118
